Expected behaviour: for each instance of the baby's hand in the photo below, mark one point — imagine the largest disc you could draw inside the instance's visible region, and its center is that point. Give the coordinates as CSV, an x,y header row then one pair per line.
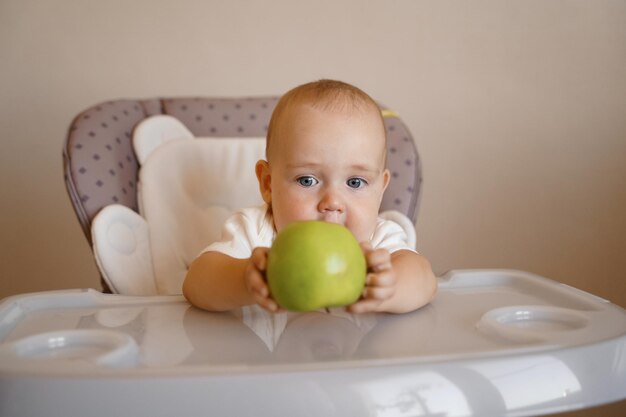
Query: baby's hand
x,y
380,282
255,281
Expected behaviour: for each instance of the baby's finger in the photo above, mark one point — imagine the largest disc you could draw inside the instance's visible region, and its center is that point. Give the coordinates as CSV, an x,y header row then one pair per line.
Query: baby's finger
x,y
381,279
259,258
378,293
265,302
379,260
364,306
256,283
366,247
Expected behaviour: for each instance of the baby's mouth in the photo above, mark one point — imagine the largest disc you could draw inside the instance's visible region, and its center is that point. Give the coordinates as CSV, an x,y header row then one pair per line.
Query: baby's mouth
x,y
332,217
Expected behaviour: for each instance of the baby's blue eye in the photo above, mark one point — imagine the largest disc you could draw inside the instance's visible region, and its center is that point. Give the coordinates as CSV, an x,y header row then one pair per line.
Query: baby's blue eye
x,y
307,181
356,182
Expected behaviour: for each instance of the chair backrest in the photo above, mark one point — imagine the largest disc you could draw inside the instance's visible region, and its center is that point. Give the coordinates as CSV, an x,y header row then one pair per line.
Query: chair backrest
x,y
101,167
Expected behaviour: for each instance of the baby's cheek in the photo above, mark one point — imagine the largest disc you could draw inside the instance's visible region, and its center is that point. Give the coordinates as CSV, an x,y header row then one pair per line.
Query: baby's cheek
x,y
287,215
363,230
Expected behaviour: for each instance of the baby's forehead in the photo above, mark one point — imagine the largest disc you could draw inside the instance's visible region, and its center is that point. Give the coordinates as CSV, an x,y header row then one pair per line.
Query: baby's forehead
x,y
307,126
364,112
296,112
343,104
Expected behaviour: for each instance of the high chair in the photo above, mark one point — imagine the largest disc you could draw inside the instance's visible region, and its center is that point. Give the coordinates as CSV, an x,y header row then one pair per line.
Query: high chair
x,y
493,343
143,239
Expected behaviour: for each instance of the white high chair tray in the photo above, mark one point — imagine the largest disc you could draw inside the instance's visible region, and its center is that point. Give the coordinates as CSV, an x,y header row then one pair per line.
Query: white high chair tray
x,y
492,343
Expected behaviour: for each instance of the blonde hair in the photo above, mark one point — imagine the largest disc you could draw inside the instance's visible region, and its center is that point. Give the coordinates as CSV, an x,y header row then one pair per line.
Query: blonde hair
x,y
326,95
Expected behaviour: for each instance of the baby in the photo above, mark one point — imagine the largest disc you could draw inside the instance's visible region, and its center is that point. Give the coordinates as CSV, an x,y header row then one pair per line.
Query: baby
x,y
326,153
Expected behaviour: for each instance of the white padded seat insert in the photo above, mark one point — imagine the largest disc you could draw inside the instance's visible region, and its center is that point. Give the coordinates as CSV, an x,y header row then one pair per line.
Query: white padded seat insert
x,y
188,189
122,250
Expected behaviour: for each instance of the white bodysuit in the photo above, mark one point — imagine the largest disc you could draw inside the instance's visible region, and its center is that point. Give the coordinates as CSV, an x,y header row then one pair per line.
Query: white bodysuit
x,y
253,227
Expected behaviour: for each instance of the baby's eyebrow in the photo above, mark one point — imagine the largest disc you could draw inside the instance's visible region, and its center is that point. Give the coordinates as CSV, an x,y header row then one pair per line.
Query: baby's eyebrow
x,y
366,168
355,167
298,165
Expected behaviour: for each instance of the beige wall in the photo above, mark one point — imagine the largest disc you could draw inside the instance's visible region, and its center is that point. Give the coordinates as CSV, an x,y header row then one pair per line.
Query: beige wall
x,y
518,107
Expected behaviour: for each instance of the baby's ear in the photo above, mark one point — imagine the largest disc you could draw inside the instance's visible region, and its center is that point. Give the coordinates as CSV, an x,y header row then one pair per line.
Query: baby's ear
x,y
386,178
264,176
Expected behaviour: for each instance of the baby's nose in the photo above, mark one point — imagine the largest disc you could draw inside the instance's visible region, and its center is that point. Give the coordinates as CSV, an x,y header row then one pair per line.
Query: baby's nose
x,y
331,201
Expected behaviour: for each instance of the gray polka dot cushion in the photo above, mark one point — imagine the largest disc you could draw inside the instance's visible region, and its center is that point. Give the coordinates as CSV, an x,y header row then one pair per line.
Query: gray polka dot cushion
x,y
101,168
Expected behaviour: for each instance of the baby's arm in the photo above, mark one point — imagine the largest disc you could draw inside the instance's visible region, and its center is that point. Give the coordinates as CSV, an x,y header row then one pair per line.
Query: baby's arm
x,y
218,282
395,283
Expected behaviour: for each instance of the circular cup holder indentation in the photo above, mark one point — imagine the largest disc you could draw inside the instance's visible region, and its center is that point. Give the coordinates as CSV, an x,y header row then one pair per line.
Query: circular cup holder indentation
x,y
531,323
98,347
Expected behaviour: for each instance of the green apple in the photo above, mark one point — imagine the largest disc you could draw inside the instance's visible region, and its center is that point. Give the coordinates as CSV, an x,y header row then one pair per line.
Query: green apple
x,y
315,264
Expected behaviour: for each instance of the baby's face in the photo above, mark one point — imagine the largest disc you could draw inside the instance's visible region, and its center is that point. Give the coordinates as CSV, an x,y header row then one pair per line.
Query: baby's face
x,y
327,165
